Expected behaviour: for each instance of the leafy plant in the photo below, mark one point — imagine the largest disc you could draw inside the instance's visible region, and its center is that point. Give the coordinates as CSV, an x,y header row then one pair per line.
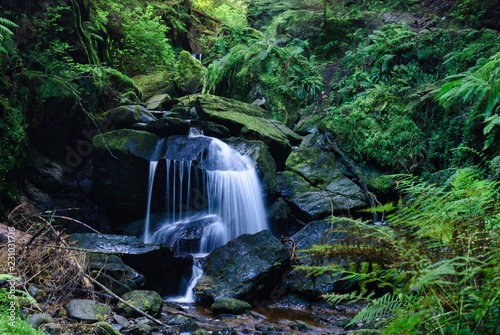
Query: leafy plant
x,y
478,87
279,70
378,127
5,26
443,273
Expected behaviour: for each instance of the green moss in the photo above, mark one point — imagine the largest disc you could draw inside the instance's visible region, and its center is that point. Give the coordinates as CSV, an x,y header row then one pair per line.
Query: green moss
x,y
126,141
18,326
190,73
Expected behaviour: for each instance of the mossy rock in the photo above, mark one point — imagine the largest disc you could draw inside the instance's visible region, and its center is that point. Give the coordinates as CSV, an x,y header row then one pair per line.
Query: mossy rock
x,y
126,116
121,165
156,83
312,203
87,310
248,121
226,305
191,74
123,83
149,302
156,101
104,328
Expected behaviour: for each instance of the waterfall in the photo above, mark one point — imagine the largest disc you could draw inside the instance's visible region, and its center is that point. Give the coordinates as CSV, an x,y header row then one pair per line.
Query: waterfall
x,y
188,296
209,200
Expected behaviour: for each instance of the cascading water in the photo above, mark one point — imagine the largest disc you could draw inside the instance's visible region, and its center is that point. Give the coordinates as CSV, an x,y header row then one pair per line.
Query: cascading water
x,y
208,203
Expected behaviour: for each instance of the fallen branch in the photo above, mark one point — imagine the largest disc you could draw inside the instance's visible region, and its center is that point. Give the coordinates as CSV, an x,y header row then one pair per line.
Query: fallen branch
x,y
205,15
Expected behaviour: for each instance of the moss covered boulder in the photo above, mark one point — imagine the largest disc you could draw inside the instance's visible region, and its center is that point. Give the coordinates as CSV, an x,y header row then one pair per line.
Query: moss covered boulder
x,y
312,203
226,305
156,102
248,121
121,165
191,74
87,310
149,302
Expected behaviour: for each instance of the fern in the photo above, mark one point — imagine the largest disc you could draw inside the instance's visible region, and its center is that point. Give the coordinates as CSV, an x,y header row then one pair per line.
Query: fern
x,y
389,303
479,88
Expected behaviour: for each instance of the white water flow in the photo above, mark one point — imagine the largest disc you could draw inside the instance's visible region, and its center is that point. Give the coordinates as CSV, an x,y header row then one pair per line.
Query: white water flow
x,y
188,297
208,203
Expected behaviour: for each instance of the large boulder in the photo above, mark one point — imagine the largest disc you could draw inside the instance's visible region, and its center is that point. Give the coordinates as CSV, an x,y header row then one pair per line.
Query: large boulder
x,y
155,261
168,126
121,169
312,203
263,160
87,310
126,116
191,74
248,268
248,121
149,302
226,305
321,232
110,271
155,102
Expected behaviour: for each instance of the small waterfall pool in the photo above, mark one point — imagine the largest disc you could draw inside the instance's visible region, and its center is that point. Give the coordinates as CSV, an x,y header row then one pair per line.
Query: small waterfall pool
x,y
208,202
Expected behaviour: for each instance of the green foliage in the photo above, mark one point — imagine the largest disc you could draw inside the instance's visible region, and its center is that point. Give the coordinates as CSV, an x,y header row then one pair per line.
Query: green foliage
x,y
378,127
279,70
477,13
5,26
18,326
444,266
478,87
143,46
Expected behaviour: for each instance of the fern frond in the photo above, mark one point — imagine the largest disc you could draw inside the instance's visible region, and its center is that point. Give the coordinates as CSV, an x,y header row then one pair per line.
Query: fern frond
x,y
387,304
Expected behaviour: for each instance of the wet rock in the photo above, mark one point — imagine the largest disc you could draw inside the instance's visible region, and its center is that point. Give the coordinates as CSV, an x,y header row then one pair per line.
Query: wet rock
x,y
156,101
51,328
225,331
87,310
212,129
317,233
262,159
153,261
200,332
149,302
168,126
104,328
44,173
121,164
121,321
279,214
37,319
177,320
110,271
299,325
248,268
126,116
227,305
311,203
188,327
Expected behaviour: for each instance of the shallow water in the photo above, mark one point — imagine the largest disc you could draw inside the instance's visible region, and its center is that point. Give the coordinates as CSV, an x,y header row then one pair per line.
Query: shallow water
x,y
277,317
